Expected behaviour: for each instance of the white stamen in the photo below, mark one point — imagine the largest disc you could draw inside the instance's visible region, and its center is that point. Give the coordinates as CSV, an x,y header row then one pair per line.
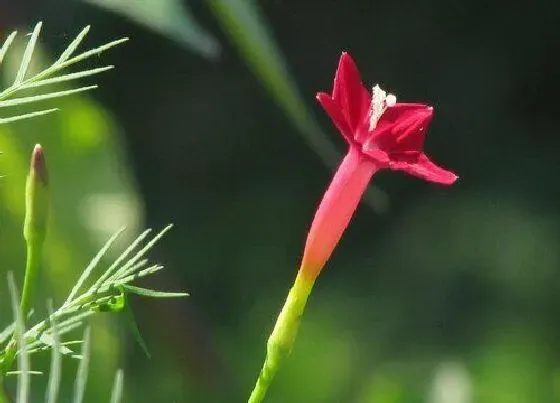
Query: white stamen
x,y
380,101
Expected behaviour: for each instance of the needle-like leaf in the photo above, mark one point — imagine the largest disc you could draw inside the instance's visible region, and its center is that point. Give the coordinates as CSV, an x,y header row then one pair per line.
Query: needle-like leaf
x,y
67,77
42,97
26,59
23,357
6,45
153,293
26,116
81,377
54,74
73,45
84,302
54,376
92,265
116,394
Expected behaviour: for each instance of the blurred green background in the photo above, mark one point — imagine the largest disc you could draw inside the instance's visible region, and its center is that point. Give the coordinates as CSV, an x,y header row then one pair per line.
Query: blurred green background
x,y
438,295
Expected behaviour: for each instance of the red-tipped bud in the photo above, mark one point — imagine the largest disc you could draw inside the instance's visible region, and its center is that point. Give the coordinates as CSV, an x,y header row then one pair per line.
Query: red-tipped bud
x,y
36,197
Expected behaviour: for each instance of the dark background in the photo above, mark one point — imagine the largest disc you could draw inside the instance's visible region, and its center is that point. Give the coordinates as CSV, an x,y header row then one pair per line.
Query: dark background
x,y
448,290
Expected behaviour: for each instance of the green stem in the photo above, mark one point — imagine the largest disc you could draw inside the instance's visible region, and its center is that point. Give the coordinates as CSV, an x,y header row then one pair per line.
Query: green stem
x,y
34,230
34,252
282,338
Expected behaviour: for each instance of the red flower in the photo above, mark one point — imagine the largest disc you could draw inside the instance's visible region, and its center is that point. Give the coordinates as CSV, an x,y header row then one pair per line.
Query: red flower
x,y
381,133
390,134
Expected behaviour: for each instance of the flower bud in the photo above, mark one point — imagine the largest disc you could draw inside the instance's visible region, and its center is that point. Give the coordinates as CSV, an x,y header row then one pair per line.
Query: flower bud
x,y
36,198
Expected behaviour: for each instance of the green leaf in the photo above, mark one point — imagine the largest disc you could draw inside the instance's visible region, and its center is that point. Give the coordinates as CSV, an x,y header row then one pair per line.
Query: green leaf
x,y
122,258
116,393
166,17
55,368
247,28
50,341
20,373
115,272
7,332
48,76
71,48
43,97
136,331
92,265
26,59
83,368
6,45
153,293
68,77
23,356
26,116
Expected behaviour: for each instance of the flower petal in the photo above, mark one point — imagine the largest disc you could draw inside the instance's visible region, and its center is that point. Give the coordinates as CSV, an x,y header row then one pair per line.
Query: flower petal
x,y
402,127
380,157
336,115
411,131
349,92
425,169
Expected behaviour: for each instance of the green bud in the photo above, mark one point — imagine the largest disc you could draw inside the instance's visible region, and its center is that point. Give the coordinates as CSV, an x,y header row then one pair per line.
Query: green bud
x,y
36,198
35,225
